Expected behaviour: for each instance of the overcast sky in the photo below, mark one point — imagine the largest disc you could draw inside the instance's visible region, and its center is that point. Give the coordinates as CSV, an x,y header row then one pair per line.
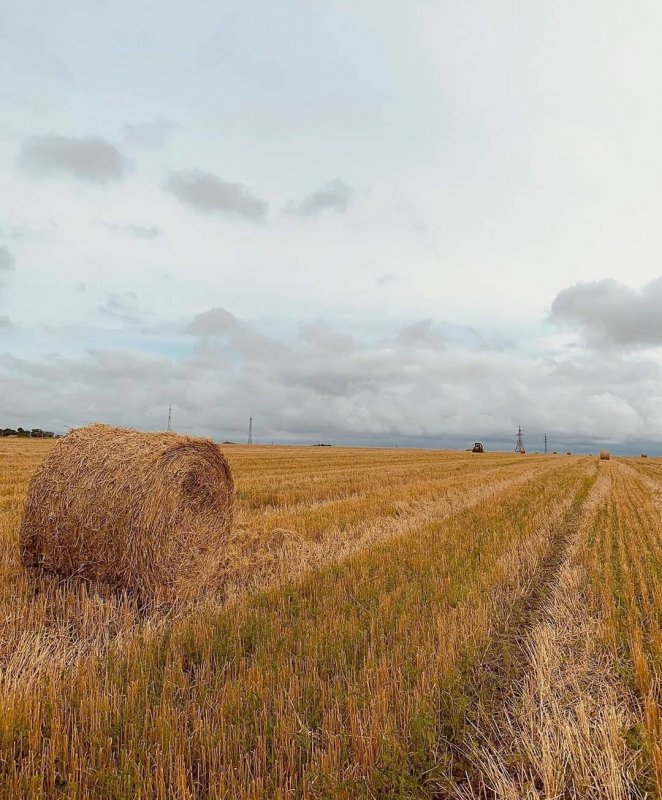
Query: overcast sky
x,y
374,222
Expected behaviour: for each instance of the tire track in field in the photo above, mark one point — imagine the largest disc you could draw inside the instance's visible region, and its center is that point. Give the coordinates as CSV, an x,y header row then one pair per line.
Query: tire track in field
x,y
548,711
258,560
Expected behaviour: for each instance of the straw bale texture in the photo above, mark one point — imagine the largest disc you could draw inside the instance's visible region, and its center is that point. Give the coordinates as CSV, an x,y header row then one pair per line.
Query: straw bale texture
x,y
145,512
605,455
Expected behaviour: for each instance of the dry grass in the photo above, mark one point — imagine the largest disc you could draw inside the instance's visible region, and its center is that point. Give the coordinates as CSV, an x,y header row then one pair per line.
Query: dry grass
x,y
351,655
627,571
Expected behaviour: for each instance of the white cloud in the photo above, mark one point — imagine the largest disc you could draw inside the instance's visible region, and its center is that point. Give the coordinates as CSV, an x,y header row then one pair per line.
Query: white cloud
x,y
92,158
610,313
333,196
319,334
145,232
420,334
211,194
215,322
7,260
122,306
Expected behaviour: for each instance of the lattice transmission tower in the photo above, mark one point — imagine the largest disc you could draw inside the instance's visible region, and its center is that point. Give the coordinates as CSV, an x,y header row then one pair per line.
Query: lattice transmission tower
x,y
250,430
519,442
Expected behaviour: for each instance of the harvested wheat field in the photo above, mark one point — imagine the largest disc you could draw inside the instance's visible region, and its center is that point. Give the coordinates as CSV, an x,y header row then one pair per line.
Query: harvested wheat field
x,y
383,624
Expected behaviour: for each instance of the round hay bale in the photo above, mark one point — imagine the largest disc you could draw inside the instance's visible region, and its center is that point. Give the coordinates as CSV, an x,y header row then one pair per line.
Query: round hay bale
x,y
144,512
605,455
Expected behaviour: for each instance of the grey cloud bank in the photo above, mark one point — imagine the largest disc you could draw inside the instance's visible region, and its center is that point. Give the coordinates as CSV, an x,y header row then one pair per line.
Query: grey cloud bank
x,y
211,194
92,159
322,335
609,313
327,383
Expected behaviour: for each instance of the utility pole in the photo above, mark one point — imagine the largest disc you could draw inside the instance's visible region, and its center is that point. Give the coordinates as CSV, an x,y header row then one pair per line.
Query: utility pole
x,y
169,418
250,430
519,442
545,444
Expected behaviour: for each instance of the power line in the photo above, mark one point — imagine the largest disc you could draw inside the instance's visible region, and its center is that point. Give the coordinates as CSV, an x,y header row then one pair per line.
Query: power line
x,y
169,417
545,444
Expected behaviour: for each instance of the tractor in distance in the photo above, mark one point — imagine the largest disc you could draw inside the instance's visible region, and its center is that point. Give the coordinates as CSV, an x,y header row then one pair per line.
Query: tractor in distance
x,y
477,448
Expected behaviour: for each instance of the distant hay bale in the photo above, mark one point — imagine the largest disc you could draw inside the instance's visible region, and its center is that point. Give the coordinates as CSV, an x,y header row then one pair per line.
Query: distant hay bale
x,y
605,455
644,455
144,512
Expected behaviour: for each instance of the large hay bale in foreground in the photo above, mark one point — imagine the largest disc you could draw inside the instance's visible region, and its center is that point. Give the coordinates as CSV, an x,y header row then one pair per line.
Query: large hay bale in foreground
x,y
145,512
605,455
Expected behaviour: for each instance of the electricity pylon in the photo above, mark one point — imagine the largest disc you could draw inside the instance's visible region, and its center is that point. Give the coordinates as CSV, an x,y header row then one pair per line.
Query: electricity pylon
x,y
519,443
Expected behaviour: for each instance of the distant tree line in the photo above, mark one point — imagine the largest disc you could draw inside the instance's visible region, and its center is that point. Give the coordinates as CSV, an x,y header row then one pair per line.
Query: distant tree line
x,y
34,433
